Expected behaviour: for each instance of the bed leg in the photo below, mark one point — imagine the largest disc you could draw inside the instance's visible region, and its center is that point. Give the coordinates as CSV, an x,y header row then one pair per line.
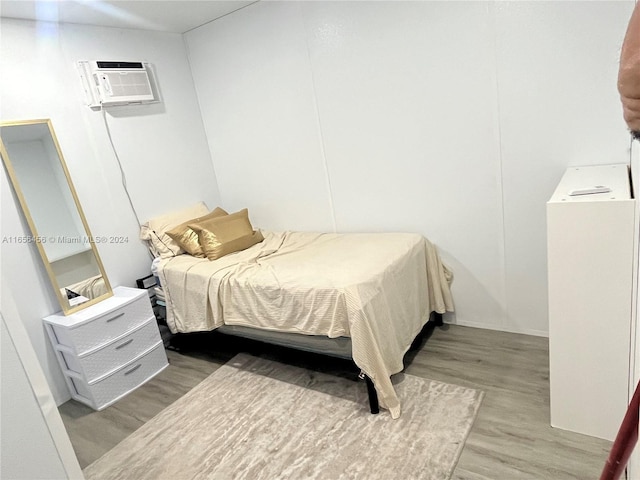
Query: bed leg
x,y
437,319
373,396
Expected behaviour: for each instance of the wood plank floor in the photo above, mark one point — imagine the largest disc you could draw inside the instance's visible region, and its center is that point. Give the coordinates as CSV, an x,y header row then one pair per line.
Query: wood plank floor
x,y
511,438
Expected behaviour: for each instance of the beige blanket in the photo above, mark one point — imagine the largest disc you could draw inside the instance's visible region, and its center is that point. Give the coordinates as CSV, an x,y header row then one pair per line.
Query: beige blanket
x,y
378,289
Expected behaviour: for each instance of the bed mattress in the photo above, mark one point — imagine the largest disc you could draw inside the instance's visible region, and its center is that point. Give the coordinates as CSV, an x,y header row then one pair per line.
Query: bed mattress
x,y
336,347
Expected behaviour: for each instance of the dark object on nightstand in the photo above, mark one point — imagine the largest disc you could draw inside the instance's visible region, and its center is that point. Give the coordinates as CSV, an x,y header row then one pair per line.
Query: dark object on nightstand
x,y
146,282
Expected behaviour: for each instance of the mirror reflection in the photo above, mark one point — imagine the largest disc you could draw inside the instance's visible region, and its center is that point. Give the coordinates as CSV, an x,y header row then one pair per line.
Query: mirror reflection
x,y
41,182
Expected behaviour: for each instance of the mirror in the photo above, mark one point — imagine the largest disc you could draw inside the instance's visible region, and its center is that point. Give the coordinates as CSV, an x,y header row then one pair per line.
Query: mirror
x,y
41,182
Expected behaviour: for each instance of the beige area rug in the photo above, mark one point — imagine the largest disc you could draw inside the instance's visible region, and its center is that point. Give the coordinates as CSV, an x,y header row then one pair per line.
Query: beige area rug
x,y
260,419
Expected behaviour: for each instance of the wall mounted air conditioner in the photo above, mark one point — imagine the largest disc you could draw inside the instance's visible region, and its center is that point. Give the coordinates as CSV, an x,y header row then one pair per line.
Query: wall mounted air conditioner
x,y
109,83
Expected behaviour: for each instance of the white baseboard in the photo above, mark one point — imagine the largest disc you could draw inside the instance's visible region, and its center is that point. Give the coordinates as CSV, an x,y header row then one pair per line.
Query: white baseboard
x,y
499,328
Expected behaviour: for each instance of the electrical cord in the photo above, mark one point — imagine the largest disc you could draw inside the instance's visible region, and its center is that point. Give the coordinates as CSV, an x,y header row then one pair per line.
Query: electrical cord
x,y
164,243
122,174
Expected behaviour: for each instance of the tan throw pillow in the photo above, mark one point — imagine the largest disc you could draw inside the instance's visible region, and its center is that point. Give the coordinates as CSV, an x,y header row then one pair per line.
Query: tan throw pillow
x,y
224,235
154,232
184,236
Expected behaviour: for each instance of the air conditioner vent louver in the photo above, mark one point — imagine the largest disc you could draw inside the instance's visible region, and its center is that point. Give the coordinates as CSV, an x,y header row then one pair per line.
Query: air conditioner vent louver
x,y
120,65
126,84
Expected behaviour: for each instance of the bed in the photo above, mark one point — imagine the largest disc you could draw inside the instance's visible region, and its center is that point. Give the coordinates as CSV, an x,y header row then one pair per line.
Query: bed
x,y
359,295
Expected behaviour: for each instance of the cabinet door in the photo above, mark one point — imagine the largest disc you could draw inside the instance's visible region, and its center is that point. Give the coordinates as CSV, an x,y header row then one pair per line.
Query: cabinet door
x,y
106,391
108,358
105,327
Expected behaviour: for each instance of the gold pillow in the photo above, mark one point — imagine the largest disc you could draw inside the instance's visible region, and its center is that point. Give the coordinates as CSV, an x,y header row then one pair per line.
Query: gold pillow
x,y
224,235
184,236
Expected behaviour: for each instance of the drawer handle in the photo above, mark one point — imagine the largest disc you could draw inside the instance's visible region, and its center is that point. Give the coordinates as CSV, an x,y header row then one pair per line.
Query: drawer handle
x,y
122,345
117,316
133,369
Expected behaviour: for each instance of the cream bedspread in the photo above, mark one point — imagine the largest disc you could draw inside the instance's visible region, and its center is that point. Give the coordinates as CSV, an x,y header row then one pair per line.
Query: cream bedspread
x,y
378,289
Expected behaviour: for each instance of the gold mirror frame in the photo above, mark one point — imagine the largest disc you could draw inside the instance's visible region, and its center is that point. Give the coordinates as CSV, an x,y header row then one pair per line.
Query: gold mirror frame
x,y
106,290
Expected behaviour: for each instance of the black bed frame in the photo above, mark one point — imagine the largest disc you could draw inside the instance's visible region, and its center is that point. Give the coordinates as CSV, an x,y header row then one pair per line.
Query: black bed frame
x,y
374,405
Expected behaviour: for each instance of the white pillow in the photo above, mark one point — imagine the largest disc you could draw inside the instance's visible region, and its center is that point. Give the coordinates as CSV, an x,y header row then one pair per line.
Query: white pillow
x,y
154,231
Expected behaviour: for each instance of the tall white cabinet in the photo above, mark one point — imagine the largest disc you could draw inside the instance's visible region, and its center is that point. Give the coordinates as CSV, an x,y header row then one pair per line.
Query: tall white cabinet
x,y
590,266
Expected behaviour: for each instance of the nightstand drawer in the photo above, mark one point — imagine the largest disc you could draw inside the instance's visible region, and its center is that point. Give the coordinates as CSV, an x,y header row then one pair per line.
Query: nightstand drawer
x,y
104,360
108,390
85,337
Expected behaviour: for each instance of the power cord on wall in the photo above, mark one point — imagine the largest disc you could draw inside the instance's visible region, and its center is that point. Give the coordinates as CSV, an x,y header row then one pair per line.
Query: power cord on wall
x,y
122,174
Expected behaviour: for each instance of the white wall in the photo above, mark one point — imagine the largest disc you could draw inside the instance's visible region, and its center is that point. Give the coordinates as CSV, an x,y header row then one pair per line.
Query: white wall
x,y
27,449
34,442
557,66
162,147
452,119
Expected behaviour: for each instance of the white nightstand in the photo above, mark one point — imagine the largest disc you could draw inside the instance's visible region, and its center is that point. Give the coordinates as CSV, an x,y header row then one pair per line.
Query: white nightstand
x,y
108,349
